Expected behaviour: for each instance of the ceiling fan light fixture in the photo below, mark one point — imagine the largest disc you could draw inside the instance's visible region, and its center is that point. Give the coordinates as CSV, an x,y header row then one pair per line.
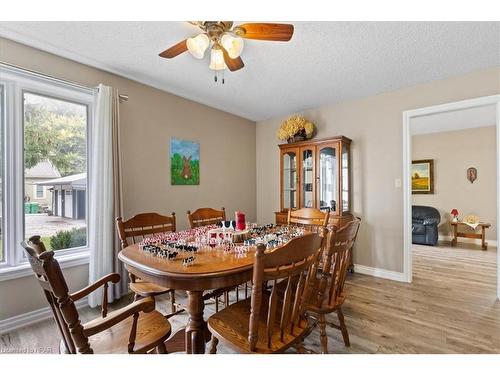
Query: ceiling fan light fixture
x,y
217,59
232,44
198,45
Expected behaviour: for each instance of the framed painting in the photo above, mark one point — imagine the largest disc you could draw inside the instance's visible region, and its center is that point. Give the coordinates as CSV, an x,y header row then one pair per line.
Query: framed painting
x,y
422,176
184,162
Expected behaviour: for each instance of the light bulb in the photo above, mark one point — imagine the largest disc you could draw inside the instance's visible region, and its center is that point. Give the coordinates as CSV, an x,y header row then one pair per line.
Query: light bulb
x,y
198,45
232,44
217,59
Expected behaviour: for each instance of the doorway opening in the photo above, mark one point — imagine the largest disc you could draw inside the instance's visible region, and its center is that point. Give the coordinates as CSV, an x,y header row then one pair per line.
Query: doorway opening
x,y
439,144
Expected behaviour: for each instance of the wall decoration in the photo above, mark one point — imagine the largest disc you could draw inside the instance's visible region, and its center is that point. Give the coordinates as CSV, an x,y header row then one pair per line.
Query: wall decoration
x,y
184,162
422,176
472,174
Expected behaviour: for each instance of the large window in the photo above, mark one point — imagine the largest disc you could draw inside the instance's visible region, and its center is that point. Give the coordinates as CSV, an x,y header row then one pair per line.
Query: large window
x,y
55,157
43,185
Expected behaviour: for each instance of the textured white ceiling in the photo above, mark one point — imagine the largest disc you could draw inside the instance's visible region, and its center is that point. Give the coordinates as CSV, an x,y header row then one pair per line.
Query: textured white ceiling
x,y
324,63
477,117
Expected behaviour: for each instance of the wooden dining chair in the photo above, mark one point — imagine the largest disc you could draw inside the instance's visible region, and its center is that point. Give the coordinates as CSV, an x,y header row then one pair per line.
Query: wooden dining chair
x,y
136,229
268,321
205,216
136,328
310,218
329,283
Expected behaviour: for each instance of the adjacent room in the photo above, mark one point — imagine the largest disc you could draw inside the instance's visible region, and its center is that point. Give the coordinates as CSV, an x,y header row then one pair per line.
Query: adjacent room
x,y
454,210
232,187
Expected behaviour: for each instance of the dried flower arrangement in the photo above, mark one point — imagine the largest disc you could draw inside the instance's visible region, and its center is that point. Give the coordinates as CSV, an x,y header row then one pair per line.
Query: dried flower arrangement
x,y
295,128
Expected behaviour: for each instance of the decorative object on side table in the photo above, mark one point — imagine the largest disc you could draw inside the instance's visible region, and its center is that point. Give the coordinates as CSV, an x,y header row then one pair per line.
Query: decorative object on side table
x,y
454,213
472,174
422,176
294,129
184,162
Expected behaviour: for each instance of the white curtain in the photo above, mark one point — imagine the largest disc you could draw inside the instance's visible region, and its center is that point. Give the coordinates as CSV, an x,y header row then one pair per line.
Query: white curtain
x,y
105,198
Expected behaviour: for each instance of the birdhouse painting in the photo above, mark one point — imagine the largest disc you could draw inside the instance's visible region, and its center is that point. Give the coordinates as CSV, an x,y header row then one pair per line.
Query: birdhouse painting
x,y
184,162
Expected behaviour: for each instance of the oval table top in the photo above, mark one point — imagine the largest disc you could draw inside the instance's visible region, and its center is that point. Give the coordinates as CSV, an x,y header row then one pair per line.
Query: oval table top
x,y
213,268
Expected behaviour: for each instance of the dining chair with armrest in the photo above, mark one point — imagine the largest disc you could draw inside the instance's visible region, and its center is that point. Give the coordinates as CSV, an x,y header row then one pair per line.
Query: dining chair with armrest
x,y
136,328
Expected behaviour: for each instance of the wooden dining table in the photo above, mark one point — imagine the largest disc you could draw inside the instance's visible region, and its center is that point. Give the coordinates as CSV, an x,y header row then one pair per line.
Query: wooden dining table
x,y
213,269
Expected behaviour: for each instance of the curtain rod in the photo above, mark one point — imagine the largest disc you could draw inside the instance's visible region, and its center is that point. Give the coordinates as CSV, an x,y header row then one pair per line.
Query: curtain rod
x,y
122,97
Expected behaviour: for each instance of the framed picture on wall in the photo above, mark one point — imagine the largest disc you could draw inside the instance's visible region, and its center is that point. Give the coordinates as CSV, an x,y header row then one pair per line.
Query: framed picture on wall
x,y
184,162
422,176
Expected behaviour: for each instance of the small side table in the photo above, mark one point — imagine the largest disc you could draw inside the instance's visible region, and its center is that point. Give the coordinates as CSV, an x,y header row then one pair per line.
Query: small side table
x,y
481,236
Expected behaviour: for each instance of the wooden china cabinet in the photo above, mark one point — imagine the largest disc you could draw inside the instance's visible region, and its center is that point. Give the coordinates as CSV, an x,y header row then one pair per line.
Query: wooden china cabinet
x,y
316,173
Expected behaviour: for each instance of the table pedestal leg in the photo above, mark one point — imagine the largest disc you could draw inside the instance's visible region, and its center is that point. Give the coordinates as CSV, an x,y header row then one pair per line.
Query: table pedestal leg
x,y
195,336
484,245
454,240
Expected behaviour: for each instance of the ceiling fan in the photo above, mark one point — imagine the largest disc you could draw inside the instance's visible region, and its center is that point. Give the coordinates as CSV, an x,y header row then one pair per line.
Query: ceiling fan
x,y
226,42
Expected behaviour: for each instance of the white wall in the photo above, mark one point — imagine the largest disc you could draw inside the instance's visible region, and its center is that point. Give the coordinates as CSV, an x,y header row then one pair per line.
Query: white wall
x,y
375,126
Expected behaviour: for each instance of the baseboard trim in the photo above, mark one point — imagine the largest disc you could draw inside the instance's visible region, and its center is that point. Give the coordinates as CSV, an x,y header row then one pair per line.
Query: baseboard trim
x,y
468,240
380,272
29,318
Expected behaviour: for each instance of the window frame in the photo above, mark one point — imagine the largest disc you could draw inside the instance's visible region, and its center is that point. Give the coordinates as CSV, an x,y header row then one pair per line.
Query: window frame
x,y
35,191
2,171
16,82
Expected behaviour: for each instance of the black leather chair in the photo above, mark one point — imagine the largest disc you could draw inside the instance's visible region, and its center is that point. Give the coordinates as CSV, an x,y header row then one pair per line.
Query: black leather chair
x,y
425,222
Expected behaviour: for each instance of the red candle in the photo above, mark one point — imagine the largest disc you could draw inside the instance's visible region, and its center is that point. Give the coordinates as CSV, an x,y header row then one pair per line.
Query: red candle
x,y
240,220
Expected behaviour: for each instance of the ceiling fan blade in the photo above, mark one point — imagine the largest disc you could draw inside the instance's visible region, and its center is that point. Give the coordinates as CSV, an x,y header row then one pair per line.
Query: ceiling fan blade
x,y
232,64
173,51
279,32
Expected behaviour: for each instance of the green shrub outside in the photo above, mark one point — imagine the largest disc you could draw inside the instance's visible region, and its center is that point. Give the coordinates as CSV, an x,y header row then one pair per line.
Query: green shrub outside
x,y
67,239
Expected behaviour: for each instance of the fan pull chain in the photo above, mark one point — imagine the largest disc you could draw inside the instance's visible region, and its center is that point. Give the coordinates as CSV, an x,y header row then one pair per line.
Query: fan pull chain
x,y
216,76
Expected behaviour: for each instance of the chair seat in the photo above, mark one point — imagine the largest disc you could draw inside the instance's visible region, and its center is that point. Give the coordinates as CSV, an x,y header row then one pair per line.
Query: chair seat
x,y
152,329
230,326
147,289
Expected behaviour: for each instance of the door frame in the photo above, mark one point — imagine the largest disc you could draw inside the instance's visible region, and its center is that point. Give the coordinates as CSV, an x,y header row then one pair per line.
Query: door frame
x,y
407,159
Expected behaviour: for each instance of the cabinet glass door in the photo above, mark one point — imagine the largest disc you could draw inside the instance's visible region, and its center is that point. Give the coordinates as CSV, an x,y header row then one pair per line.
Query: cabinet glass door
x,y
328,178
345,179
289,183
307,178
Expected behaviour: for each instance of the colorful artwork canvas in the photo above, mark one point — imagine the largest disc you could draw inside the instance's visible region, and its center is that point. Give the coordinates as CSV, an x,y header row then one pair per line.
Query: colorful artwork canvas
x,y
422,176
184,162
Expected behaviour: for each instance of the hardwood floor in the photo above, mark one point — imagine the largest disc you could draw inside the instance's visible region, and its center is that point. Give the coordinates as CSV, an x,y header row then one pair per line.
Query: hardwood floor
x,y
450,307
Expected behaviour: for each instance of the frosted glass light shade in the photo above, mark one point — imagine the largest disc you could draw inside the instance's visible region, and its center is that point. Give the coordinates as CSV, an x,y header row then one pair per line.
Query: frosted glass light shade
x,y
232,44
198,45
217,59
